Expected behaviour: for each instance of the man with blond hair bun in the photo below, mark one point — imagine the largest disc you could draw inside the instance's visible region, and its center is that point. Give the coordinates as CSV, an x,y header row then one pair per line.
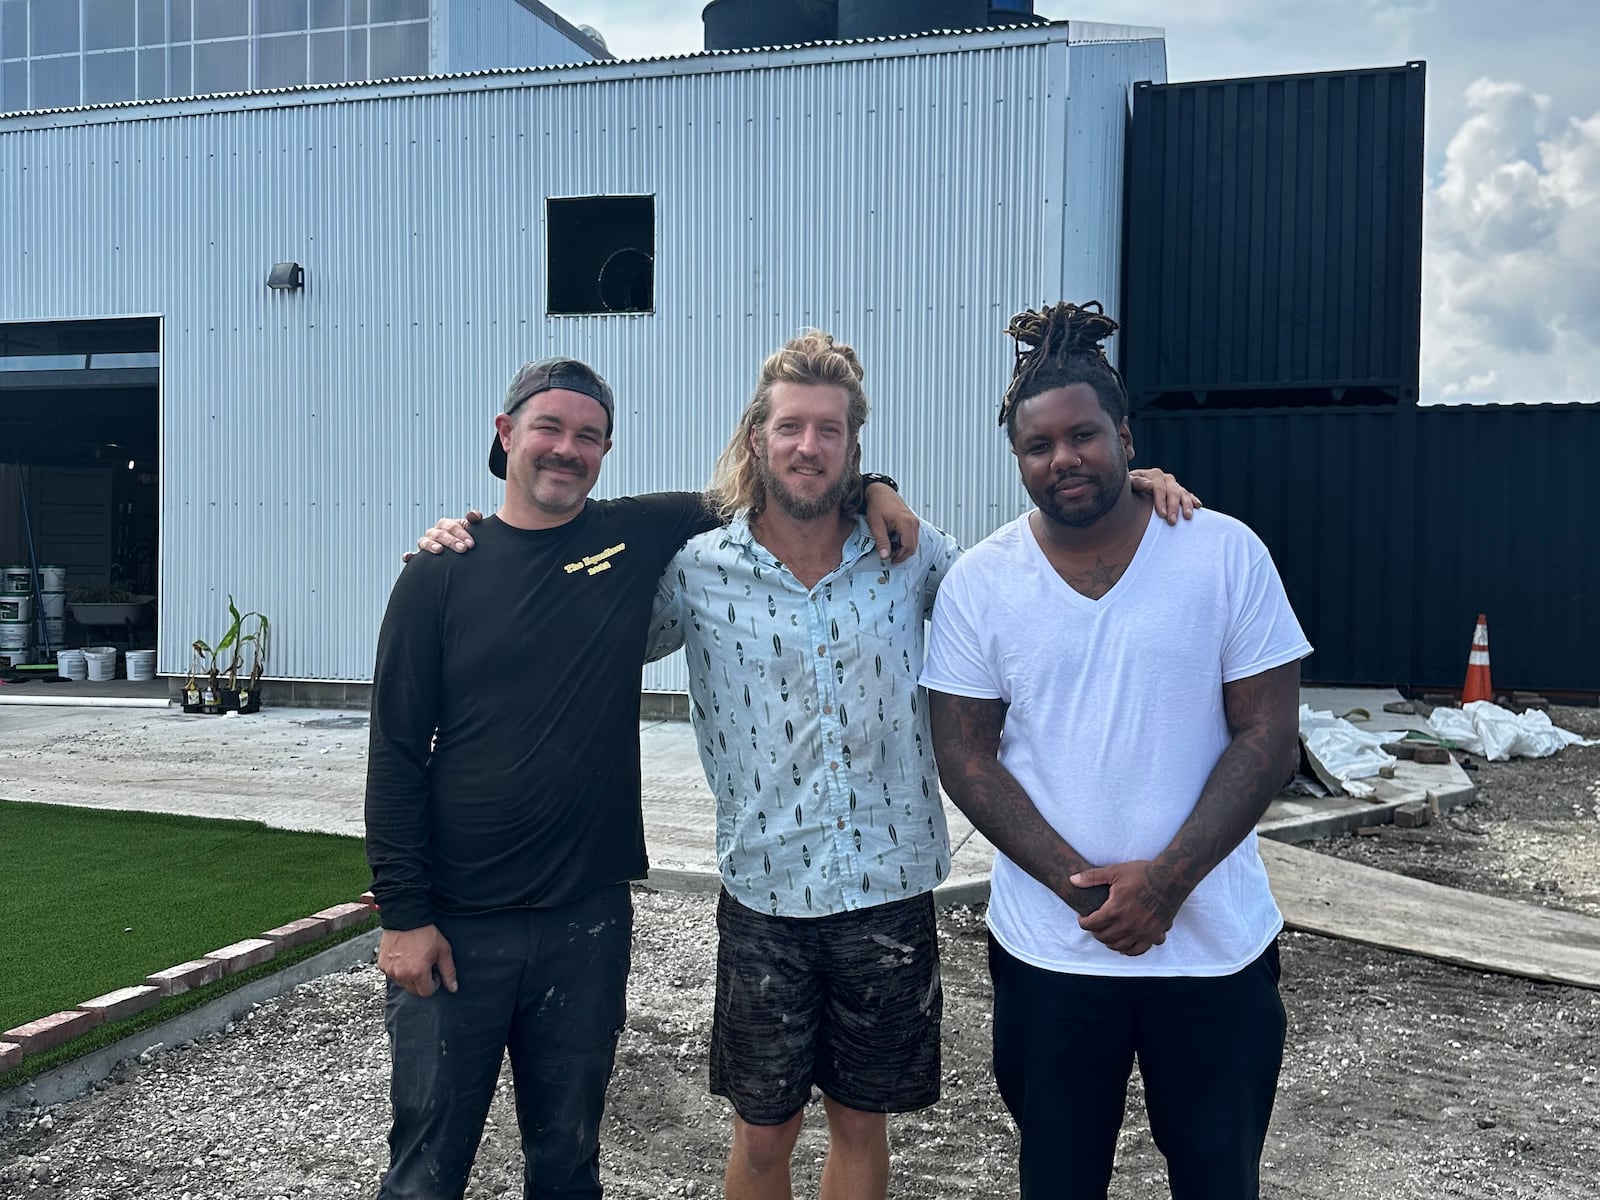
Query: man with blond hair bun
x,y
804,651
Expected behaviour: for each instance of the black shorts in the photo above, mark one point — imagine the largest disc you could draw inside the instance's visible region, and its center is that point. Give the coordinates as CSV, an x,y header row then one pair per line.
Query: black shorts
x,y
849,1002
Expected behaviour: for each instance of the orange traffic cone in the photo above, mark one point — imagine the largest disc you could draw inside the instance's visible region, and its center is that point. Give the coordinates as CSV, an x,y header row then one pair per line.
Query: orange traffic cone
x,y
1477,686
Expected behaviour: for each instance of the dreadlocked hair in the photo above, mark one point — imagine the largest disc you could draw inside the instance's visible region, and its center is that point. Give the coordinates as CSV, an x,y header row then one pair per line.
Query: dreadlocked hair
x,y
811,356
1059,346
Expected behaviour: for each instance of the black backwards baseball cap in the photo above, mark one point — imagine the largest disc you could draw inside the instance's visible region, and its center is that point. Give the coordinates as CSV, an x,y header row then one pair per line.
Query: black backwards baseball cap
x,y
548,374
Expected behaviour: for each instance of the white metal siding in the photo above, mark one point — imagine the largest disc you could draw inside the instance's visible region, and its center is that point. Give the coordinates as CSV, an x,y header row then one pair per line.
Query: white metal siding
x,y
904,202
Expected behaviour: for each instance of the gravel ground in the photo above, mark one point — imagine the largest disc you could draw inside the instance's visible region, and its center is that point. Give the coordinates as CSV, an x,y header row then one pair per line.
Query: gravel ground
x,y
1403,1077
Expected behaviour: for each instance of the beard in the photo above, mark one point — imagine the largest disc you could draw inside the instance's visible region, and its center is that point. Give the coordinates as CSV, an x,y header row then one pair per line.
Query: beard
x,y
803,508
1082,511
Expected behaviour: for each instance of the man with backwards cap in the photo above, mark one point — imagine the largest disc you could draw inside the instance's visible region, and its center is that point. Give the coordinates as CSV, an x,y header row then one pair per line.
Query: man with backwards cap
x,y
502,807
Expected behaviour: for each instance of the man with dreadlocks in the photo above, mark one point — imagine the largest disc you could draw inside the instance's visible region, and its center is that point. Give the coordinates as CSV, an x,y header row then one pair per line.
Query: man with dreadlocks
x,y
1113,706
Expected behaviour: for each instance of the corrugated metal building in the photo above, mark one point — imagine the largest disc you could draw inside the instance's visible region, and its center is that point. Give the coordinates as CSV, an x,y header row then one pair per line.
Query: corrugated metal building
x,y
906,194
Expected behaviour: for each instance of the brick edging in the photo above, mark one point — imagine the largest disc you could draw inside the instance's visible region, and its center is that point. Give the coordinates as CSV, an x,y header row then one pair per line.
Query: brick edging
x,y
56,1029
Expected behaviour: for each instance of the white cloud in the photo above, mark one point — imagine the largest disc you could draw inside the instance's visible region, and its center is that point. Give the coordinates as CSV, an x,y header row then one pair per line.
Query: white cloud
x,y
1511,262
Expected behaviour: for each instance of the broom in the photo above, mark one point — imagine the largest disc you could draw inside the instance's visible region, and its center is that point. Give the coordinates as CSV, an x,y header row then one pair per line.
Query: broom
x,y
41,669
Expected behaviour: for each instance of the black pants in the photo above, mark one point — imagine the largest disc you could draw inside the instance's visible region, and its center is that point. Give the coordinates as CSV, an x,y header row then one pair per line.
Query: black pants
x,y
1209,1050
550,987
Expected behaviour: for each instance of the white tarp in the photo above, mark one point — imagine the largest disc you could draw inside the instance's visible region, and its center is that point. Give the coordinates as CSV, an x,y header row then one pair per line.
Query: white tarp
x,y
1496,733
1345,751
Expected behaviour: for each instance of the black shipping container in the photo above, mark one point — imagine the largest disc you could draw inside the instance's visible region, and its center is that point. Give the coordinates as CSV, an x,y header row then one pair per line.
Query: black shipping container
x,y
1273,241
1393,528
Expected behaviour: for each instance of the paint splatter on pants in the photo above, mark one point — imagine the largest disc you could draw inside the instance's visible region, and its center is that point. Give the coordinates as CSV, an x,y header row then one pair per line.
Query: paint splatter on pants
x,y
850,1002
547,986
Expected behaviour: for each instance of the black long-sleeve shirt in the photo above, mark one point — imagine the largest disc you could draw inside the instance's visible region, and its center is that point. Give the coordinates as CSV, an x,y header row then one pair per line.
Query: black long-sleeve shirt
x,y
504,762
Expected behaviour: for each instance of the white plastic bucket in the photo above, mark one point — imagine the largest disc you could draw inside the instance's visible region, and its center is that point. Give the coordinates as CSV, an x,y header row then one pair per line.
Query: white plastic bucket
x,y
16,580
102,661
15,658
16,635
52,605
53,630
53,579
15,608
141,664
70,664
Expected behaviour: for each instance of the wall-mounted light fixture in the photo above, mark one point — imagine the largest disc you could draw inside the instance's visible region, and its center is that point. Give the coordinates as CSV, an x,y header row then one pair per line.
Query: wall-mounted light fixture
x,y
286,277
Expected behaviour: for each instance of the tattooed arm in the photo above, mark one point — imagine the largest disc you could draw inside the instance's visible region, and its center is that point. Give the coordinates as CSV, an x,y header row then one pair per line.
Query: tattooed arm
x,y
1145,896
966,745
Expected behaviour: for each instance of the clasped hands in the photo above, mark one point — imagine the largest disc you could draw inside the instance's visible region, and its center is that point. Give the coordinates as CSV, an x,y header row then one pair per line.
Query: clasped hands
x,y
1140,902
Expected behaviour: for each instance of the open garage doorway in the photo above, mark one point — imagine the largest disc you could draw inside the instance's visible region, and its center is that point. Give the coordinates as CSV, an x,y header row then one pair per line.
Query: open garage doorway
x,y
79,472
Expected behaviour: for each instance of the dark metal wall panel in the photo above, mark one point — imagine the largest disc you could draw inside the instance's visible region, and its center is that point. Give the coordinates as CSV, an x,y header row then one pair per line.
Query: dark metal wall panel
x,y
1329,492
1393,528
1274,233
1508,527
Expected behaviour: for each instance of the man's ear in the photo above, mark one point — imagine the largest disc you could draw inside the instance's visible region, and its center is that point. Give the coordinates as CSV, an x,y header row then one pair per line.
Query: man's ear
x,y
1126,435
503,425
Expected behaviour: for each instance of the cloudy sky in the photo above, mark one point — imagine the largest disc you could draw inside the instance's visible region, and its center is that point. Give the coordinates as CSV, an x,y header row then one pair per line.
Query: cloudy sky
x,y
1511,259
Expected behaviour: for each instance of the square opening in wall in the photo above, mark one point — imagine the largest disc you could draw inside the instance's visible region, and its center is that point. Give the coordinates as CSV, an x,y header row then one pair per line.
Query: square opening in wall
x,y
601,251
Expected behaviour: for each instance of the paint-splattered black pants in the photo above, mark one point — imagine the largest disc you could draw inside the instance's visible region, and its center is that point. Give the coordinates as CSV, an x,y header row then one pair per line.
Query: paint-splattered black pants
x,y
547,986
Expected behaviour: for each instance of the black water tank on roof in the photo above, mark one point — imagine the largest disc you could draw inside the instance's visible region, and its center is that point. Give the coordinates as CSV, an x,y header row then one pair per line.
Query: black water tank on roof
x,y
747,24
888,18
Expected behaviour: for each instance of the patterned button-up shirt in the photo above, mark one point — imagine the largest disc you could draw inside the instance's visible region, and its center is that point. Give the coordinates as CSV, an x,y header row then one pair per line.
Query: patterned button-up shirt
x,y
812,729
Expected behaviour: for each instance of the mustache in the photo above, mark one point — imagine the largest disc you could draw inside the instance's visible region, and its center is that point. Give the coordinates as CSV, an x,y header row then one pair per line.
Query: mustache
x,y
555,462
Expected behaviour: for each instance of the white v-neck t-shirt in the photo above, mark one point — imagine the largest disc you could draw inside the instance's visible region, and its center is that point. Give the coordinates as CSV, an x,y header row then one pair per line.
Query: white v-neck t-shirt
x,y
1116,720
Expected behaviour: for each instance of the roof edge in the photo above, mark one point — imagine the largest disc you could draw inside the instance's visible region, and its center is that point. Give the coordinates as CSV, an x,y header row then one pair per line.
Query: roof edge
x,y
495,78
1418,65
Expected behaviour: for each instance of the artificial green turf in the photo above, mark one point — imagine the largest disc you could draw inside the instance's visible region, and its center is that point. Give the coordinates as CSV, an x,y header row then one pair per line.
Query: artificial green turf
x,y
92,901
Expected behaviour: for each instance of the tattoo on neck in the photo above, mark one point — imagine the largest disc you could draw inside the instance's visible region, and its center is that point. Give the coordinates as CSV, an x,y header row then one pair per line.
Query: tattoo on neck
x,y
1097,580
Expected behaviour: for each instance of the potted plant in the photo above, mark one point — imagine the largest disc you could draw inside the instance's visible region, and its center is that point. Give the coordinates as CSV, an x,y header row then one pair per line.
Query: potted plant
x,y
258,638
250,629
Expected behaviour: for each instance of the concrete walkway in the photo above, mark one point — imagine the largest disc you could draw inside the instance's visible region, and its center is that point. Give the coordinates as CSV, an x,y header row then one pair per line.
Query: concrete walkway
x,y
297,768
301,768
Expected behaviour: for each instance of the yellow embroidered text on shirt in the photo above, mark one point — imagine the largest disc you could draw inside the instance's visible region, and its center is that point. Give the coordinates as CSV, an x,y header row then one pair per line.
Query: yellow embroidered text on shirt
x,y
595,563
